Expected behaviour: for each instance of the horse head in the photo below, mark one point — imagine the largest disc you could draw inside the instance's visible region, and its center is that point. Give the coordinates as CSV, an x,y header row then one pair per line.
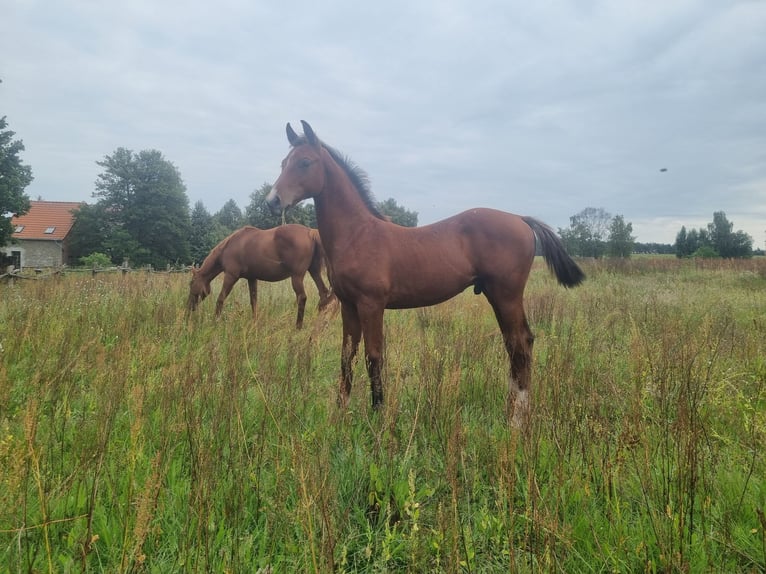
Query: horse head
x,y
302,173
199,288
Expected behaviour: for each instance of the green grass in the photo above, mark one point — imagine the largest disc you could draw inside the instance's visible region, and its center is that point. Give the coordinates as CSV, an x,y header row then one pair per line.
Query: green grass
x,y
136,439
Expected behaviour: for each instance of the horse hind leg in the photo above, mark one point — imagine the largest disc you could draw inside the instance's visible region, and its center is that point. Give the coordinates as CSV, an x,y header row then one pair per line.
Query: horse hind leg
x,y
300,299
371,319
519,341
352,335
315,270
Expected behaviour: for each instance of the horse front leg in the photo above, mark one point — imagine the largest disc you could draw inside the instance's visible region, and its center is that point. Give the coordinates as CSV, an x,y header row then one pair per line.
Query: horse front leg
x,y
300,298
252,285
352,334
228,283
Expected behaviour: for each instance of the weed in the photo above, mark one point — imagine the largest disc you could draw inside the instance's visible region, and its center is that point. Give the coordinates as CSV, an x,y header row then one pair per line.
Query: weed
x,y
135,438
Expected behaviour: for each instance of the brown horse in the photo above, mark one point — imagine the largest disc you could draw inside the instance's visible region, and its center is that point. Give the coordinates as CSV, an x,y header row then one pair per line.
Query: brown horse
x,y
377,265
267,254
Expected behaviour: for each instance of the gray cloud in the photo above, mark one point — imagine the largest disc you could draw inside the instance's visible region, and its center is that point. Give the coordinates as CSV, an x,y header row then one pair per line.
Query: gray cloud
x,y
541,108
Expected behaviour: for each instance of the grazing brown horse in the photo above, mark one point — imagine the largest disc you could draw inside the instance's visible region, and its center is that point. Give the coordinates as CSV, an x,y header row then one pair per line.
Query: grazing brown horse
x,y
266,254
375,264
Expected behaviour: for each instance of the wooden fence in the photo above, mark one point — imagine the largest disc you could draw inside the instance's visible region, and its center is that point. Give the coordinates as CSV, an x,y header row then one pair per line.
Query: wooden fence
x,y
39,274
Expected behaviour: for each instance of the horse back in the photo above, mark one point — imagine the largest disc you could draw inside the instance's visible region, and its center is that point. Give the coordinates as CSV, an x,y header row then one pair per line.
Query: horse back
x,y
414,267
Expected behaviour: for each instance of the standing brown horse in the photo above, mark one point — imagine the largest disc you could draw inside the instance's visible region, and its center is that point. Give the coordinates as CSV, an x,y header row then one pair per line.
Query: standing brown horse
x,y
377,265
270,255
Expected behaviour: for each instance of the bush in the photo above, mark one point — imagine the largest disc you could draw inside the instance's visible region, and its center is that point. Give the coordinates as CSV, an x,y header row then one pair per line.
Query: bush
x,y
706,252
96,260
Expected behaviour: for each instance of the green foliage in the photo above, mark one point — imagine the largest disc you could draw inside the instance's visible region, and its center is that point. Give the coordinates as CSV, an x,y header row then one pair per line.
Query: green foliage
x,y
202,237
134,438
208,230
398,213
653,248
594,232
717,240
96,260
259,215
229,218
706,252
142,212
14,178
586,235
89,233
620,242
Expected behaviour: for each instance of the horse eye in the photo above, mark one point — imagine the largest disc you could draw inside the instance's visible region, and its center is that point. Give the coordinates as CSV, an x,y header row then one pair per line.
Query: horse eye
x,y
305,162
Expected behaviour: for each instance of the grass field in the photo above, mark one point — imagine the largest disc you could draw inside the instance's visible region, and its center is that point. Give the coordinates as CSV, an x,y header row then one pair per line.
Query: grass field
x,y
136,439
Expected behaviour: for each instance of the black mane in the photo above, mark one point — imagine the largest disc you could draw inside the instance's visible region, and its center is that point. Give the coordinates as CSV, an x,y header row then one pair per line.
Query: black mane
x,y
356,174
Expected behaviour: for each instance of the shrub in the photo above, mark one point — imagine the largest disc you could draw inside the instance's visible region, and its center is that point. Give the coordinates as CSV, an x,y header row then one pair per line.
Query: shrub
x,y
95,260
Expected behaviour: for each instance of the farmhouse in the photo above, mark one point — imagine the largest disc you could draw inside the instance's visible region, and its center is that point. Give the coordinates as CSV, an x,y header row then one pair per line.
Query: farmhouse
x,y
40,236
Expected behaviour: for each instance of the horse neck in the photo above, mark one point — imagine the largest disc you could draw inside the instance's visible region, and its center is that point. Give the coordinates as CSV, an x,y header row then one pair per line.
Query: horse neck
x,y
340,209
211,267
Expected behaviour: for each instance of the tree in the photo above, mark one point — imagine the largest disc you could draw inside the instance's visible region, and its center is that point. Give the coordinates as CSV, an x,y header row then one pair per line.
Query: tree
x,y
229,217
202,236
142,212
258,214
742,245
14,178
587,232
88,233
620,242
682,242
718,239
725,241
398,213
653,248
721,232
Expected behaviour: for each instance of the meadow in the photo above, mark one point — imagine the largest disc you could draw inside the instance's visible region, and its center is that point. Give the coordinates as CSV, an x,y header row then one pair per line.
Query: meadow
x,y
135,438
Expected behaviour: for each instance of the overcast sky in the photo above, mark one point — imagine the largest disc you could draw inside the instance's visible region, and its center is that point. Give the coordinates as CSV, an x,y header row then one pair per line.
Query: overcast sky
x,y
539,108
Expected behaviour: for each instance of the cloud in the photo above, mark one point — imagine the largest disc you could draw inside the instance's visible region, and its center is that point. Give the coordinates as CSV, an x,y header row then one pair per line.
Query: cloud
x,y
543,108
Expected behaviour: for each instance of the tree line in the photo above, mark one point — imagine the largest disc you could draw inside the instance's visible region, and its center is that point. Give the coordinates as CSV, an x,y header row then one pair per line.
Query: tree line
x,y
594,232
141,215
718,239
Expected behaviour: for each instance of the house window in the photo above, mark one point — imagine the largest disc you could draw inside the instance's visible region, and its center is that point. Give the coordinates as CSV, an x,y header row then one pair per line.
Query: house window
x,y
50,230
19,229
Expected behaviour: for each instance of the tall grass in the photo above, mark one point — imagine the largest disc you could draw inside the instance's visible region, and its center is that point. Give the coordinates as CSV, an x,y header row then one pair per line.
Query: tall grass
x,y
136,439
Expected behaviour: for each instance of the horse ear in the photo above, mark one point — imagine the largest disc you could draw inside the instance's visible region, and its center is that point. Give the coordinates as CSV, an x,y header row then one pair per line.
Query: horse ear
x,y
309,133
292,137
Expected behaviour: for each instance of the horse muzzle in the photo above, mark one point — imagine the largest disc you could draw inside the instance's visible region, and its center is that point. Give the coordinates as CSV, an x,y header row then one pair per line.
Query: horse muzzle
x,y
274,203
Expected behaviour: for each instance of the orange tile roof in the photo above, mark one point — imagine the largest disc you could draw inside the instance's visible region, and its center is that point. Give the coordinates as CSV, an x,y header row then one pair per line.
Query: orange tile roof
x,y
43,215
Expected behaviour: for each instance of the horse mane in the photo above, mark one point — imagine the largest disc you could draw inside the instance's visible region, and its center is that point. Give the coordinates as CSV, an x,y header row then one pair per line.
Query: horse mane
x,y
359,178
212,257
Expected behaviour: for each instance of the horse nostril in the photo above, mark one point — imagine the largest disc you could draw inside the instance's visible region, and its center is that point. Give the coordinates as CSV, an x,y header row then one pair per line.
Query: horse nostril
x,y
274,205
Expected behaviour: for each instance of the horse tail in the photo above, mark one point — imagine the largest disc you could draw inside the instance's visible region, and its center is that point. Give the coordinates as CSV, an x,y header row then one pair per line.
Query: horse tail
x,y
567,272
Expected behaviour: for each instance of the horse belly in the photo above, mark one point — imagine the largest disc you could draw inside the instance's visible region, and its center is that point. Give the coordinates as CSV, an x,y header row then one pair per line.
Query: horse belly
x,y
272,274
426,291
266,270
